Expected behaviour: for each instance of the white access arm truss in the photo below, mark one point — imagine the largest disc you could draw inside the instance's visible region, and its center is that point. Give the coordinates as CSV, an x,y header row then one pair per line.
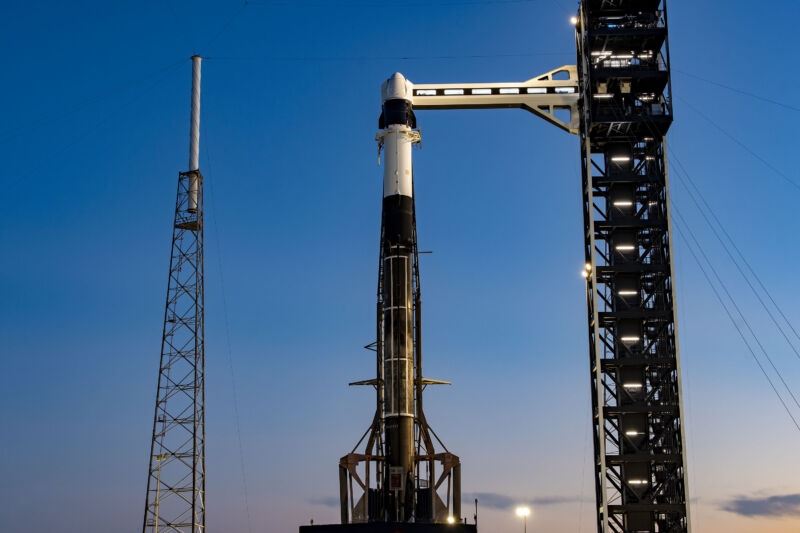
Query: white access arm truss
x,y
542,96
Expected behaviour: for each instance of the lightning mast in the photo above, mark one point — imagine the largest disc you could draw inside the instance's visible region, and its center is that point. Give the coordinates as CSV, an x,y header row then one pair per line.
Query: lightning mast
x,y
175,499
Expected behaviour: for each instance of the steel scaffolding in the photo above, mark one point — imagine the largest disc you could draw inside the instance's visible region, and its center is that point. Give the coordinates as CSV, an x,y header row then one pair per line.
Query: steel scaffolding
x,y
626,110
176,480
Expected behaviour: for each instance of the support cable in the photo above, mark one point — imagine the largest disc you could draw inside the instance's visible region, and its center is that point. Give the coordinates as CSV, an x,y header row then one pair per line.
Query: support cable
x,y
687,383
78,138
734,89
708,209
681,221
227,24
742,145
724,287
49,118
736,306
235,396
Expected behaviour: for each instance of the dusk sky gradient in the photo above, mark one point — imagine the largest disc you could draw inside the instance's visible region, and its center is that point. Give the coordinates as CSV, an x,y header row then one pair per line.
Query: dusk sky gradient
x,y
94,131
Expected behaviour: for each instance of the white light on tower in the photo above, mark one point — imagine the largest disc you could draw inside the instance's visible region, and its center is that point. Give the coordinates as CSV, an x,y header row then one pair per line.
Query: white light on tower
x,y
573,21
451,520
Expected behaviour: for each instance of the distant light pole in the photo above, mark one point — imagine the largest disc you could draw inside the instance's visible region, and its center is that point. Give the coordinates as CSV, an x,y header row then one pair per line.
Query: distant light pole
x,y
524,512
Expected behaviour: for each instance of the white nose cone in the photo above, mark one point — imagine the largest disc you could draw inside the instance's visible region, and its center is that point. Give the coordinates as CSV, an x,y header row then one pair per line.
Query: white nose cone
x,y
397,88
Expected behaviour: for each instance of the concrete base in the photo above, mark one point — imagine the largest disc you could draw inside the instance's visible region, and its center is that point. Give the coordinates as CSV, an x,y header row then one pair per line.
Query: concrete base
x,y
390,527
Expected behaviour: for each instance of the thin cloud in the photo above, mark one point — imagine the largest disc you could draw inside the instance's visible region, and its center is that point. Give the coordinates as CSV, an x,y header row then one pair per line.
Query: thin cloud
x,y
328,501
768,506
494,500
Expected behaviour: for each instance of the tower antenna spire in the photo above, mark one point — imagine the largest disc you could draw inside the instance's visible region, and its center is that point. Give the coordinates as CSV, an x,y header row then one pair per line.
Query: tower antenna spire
x,y
175,499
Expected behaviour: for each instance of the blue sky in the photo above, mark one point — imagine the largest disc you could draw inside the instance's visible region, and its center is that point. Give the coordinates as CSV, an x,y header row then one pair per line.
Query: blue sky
x,y
95,129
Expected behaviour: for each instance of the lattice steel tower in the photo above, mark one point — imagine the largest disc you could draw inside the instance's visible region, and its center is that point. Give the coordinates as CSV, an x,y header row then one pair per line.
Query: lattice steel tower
x,y
176,477
626,110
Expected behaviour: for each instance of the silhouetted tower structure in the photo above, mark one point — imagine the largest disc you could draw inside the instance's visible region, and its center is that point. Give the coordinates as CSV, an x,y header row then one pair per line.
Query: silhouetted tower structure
x,y
626,110
176,477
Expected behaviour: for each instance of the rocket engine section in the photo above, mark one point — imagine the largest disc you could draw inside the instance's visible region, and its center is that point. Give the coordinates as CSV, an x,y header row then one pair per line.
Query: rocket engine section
x,y
399,477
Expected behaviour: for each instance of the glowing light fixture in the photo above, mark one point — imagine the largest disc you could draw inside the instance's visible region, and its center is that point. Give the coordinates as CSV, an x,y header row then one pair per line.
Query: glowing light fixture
x,y
451,520
524,512
573,21
629,338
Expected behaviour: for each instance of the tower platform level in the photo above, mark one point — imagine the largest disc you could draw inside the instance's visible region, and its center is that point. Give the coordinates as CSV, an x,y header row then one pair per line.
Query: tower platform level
x,y
390,527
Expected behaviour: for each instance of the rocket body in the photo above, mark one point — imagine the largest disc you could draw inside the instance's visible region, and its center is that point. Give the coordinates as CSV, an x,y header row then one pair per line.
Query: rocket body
x,y
398,313
408,470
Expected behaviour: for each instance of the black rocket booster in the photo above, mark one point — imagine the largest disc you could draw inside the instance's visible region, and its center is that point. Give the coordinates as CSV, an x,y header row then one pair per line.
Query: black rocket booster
x,y
401,476
398,136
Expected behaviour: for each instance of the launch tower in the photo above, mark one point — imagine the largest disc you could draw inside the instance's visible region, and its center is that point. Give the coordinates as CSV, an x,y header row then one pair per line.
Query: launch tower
x,y
176,492
626,110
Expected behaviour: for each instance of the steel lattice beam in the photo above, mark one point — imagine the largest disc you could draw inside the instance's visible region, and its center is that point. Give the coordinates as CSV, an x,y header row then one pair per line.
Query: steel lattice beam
x,y
176,478
626,110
